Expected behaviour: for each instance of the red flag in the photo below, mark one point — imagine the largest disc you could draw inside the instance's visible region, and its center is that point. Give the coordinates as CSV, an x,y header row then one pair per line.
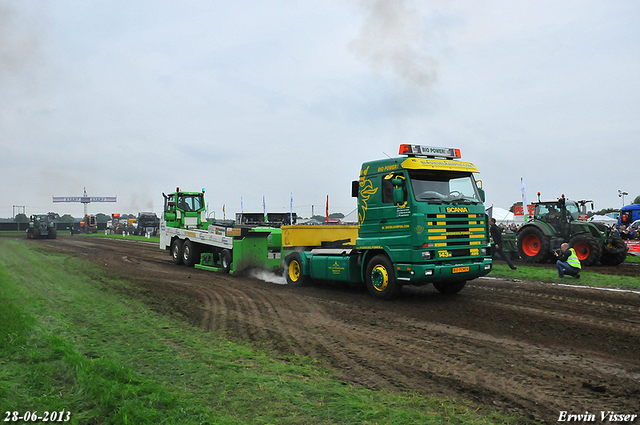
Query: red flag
x,y
327,208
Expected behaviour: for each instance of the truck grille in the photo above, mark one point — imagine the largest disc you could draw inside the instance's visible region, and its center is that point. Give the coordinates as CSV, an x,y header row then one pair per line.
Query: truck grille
x,y
450,230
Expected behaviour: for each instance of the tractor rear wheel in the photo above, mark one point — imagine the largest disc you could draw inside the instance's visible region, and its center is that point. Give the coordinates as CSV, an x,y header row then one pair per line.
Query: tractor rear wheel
x,y
533,245
615,252
587,249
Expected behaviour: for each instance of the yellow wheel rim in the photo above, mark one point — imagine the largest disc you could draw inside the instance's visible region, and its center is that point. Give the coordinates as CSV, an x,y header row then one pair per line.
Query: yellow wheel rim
x,y
294,271
379,278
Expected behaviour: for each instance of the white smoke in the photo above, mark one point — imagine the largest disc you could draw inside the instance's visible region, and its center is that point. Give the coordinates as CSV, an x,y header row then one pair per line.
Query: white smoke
x,y
267,276
393,40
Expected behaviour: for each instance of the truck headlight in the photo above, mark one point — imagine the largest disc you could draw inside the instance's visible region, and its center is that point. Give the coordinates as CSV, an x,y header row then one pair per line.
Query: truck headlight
x,y
426,255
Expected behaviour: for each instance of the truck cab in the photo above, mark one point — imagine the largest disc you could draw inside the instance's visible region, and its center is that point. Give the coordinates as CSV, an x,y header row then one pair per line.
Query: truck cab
x,y
425,212
421,220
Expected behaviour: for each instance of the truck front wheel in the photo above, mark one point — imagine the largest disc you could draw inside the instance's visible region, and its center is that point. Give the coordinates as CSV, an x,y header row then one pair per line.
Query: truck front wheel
x,y
449,288
381,279
293,270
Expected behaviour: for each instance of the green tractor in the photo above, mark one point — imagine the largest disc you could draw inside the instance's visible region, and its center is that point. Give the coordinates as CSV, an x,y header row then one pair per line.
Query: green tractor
x,y
557,222
42,226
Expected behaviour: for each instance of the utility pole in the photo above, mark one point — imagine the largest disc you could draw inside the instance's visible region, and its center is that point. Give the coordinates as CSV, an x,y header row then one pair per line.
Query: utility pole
x,y
622,194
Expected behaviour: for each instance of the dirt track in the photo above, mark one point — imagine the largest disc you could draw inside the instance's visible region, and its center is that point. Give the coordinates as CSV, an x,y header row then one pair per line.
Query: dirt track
x,y
526,348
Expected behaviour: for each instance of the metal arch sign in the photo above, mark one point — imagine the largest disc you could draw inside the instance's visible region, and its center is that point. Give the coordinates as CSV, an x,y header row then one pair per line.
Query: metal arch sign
x,y
85,199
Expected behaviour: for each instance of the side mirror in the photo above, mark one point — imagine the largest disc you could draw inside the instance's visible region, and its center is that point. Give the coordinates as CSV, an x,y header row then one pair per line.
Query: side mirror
x,y
399,193
355,188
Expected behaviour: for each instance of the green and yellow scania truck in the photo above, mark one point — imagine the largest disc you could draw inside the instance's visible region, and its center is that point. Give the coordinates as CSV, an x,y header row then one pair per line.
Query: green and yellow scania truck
x,y
421,220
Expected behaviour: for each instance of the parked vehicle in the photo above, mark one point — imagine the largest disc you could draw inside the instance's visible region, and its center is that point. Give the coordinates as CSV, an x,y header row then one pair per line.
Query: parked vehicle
x,y
42,226
557,222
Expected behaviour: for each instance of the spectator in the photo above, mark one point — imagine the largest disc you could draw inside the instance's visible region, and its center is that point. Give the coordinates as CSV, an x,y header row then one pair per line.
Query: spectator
x,y
624,232
496,245
568,262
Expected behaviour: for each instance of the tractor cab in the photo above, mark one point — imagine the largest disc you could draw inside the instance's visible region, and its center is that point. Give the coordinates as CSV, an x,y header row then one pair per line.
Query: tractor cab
x,y
185,209
558,214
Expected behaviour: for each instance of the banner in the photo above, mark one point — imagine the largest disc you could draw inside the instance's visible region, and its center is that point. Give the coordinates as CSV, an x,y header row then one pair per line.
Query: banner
x,y
524,200
327,210
264,210
634,247
84,199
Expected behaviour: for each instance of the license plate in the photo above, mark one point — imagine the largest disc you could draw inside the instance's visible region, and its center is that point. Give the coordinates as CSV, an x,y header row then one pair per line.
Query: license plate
x,y
460,269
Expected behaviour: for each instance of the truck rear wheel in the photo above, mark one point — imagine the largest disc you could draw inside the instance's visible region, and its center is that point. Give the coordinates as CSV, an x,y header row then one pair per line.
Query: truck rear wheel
x,y
293,270
381,279
176,251
449,288
587,249
225,260
533,246
52,233
190,253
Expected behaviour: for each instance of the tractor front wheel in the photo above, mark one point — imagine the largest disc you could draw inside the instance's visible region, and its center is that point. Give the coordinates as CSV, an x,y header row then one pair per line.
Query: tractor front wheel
x,y
615,252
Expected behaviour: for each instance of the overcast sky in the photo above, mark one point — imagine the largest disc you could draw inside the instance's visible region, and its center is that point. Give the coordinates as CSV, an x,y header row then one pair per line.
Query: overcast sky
x,y
287,98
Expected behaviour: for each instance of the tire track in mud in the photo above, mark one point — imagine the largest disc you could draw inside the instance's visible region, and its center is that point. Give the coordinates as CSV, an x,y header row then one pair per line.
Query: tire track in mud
x,y
525,348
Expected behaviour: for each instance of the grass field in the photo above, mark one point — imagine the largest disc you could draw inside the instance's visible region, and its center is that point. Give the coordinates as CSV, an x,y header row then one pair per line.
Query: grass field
x,y
69,342
587,277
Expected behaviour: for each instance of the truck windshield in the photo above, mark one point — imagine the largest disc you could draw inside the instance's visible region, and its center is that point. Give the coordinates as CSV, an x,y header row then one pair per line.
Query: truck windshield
x,y
444,187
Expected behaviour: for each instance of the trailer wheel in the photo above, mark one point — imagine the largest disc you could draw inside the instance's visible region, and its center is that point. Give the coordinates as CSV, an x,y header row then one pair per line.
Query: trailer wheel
x,y
587,249
293,270
381,279
190,253
176,251
449,288
533,246
225,260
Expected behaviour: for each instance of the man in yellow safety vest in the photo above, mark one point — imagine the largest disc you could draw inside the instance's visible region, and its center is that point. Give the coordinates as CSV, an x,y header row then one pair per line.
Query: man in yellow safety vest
x,y
568,262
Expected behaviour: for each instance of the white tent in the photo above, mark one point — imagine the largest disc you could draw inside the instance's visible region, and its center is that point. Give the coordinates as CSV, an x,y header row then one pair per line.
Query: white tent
x,y
502,216
603,219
